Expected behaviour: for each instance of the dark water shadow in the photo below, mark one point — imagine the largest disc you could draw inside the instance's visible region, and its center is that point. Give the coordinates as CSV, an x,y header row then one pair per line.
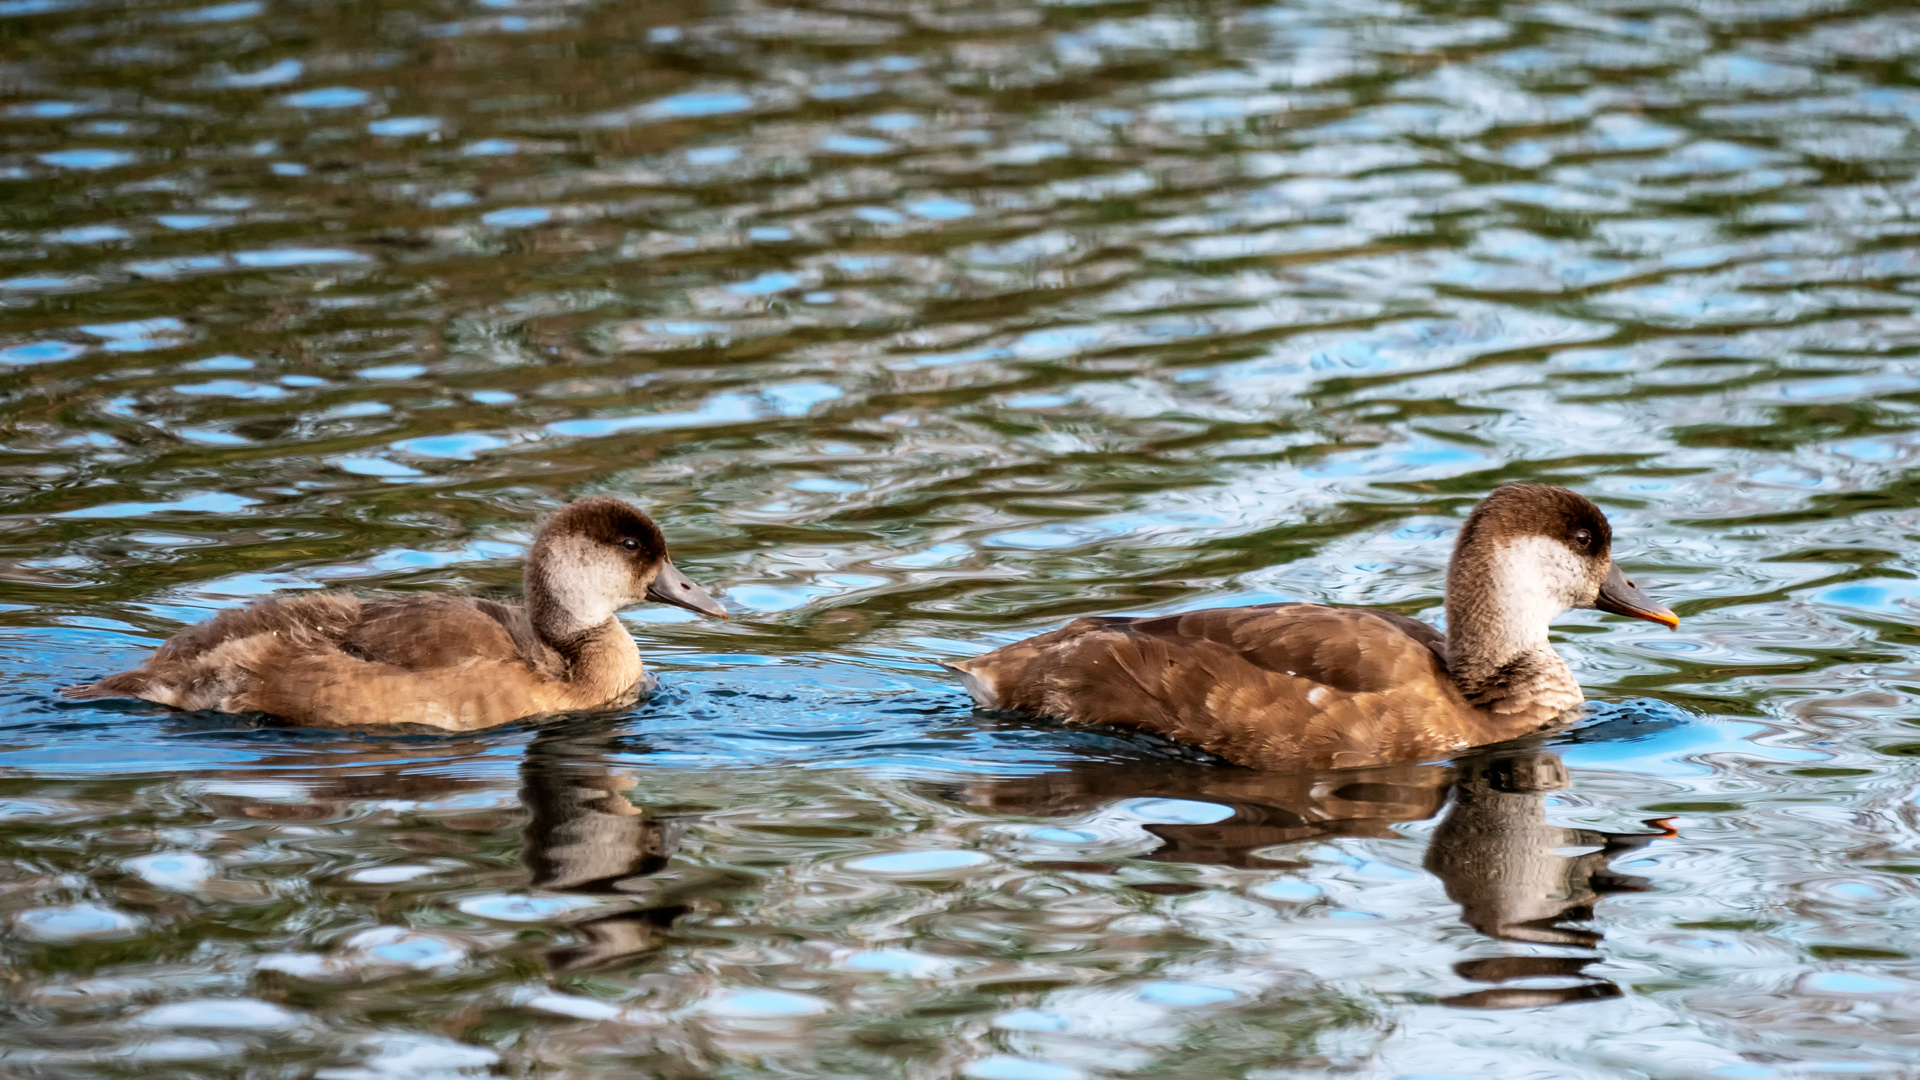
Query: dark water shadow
x,y
585,836
1494,850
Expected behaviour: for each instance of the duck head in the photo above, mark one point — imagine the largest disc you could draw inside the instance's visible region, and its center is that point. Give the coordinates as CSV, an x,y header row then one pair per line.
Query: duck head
x,y
1529,552
596,556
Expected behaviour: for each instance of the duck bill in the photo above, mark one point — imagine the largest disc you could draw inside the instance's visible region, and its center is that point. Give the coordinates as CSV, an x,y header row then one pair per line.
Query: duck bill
x,y
670,586
1623,597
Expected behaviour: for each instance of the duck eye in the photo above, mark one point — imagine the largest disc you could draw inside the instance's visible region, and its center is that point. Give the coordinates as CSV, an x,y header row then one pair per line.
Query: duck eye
x,y
630,544
1583,537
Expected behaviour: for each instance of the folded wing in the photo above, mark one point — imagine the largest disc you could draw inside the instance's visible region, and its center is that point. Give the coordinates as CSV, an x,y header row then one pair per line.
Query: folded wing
x,y
1272,686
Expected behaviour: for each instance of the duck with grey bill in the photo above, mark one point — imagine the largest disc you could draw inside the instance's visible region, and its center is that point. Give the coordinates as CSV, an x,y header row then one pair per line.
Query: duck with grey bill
x,y
1295,686
670,586
1622,597
438,660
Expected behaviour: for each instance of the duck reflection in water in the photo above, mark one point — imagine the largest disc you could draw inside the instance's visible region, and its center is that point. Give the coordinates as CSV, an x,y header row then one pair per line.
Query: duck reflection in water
x,y
585,836
1494,851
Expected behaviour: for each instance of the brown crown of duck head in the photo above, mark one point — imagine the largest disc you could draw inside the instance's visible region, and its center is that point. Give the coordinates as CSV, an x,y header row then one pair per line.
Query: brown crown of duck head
x,y
591,537
1568,519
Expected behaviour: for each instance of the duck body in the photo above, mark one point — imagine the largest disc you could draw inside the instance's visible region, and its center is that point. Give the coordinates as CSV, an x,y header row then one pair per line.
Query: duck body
x,y
1305,686
1272,686
333,659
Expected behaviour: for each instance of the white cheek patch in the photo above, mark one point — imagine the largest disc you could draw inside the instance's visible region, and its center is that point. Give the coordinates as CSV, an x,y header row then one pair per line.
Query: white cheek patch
x,y
1537,578
587,582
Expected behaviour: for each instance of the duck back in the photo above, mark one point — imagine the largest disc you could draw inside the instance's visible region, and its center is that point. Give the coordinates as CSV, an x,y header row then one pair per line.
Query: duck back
x,y
332,659
208,664
434,630
1271,686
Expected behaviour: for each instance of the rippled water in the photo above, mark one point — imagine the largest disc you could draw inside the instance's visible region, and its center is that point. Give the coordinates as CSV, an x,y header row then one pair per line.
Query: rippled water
x,y
924,325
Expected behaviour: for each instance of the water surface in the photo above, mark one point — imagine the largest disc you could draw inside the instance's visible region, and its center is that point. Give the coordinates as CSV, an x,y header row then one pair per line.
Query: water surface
x,y
921,326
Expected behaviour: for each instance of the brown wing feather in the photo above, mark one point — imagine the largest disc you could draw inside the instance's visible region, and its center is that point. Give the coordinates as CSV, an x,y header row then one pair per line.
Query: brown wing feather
x,y
194,670
1272,686
331,658
435,630
318,617
335,689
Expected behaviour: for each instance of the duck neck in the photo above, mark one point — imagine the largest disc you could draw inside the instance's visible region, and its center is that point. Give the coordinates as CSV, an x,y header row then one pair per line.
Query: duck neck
x,y
601,657
1497,648
603,663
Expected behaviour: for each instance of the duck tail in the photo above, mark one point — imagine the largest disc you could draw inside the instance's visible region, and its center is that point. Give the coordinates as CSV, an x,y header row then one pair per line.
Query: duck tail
x,y
980,685
127,684
123,685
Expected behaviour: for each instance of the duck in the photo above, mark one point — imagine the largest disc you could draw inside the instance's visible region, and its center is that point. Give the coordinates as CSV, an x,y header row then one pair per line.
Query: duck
x,y
437,660
1292,686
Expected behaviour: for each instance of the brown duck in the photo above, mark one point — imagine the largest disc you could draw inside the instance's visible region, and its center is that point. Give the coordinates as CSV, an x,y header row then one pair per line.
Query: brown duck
x,y
1296,686
332,659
